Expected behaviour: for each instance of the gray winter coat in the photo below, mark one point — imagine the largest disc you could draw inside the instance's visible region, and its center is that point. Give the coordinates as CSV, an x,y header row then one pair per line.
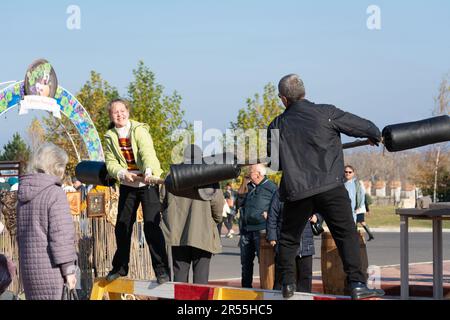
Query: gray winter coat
x,y
46,236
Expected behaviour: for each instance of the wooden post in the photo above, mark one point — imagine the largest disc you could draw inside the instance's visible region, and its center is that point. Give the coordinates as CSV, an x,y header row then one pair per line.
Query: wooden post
x,y
266,262
333,275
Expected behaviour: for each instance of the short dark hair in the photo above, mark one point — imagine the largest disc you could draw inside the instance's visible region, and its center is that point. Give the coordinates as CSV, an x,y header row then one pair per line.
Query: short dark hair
x,y
349,166
291,87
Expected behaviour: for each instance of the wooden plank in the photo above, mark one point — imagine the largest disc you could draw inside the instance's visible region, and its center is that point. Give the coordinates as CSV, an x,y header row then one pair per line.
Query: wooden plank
x,y
440,205
185,291
154,289
423,212
239,294
172,290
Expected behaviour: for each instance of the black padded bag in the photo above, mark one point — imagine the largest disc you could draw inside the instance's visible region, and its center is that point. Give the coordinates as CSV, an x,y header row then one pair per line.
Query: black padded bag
x,y
94,173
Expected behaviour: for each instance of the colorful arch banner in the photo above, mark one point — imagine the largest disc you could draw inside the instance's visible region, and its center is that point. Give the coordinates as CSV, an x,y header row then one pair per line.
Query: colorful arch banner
x,y
68,104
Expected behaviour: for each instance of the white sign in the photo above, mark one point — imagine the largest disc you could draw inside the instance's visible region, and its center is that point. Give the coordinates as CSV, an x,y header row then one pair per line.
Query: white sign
x,y
39,103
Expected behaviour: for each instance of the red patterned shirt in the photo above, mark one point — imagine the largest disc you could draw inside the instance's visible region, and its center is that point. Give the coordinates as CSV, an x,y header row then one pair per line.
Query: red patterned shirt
x,y
127,151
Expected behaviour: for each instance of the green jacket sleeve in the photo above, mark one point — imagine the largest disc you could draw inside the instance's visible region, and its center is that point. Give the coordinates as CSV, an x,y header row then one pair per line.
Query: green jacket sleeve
x,y
147,151
112,163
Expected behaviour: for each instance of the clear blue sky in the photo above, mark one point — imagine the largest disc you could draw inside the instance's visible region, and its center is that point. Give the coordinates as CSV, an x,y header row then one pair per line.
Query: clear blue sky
x,y
218,53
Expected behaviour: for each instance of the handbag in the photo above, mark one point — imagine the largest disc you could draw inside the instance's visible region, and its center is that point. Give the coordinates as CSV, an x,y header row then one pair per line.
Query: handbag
x,y
69,294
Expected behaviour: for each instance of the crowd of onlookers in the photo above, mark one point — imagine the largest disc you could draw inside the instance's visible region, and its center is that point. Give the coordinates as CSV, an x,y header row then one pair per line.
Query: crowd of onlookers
x,y
192,227
187,225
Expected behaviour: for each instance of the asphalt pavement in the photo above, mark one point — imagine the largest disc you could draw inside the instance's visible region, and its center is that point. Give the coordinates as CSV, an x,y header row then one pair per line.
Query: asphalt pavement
x,y
383,251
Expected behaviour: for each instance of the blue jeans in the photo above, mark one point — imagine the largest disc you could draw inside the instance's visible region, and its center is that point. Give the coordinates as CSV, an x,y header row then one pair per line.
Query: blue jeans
x,y
249,246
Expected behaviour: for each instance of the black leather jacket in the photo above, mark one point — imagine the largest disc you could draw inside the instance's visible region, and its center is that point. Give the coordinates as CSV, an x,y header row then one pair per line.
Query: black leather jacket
x,y
310,149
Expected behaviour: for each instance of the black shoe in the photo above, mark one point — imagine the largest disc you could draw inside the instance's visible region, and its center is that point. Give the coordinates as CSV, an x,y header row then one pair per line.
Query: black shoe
x,y
288,290
359,290
369,233
162,278
116,273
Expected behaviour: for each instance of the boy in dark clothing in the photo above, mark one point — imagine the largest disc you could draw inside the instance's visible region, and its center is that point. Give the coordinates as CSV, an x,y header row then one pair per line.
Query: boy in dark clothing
x,y
304,258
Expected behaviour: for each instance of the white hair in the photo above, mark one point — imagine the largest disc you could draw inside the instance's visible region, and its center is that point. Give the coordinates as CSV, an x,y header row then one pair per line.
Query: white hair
x,y
49,159
260,168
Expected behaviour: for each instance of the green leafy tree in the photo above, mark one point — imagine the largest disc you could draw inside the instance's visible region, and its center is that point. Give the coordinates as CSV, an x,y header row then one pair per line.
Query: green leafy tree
x,y
161,112
36,133
16,150
95,95
257,115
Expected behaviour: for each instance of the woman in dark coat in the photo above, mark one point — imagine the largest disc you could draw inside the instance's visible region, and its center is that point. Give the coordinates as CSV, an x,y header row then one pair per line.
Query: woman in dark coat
x,y
45,230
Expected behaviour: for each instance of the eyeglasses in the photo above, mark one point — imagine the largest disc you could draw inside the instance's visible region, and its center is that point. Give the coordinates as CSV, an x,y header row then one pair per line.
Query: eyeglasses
x,y
348,171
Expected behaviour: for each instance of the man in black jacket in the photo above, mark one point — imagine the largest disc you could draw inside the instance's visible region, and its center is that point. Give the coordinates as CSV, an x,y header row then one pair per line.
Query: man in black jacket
x,y
305,143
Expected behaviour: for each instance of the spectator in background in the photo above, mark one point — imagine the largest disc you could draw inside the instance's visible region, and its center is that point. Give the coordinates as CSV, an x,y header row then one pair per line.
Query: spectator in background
x,y
45,230
304,258
254,197
230,196
357,195
67,185
4,186
14,183
189,225
79,187
77,184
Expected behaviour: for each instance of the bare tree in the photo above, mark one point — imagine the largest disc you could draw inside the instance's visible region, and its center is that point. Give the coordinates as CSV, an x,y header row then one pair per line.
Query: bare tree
x,y
442,106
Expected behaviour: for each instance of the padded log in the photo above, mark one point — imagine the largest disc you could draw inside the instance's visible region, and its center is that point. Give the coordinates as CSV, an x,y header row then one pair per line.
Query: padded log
x,y
198,193
94,173
186,176
411,135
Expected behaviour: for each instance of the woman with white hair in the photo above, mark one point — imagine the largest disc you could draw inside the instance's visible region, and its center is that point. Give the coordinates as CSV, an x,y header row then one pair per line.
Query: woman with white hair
x,y
45,230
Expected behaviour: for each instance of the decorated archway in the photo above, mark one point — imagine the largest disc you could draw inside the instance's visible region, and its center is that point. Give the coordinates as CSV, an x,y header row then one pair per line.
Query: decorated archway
x,y
13,94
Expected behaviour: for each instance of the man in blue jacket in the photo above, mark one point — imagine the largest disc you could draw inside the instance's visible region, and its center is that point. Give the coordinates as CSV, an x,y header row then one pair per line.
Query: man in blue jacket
x,y
254,198
307,144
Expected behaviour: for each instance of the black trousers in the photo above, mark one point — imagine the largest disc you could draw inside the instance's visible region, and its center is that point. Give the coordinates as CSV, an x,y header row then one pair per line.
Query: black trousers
x,y
303,272
335,207
129,201
183,257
